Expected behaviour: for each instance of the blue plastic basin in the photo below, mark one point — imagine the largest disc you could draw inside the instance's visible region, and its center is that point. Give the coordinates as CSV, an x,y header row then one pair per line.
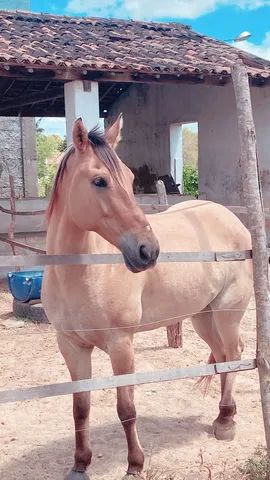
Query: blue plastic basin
x,y
25,286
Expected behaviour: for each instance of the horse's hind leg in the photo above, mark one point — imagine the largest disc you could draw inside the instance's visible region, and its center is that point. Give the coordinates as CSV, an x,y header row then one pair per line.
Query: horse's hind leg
x,y
204,326
78,361
121,354
227,325
220,330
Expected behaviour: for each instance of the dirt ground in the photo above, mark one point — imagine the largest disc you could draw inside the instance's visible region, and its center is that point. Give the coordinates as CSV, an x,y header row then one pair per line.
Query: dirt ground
x,y
174,419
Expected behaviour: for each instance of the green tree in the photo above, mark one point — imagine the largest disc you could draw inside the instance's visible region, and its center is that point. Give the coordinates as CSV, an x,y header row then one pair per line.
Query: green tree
x,y
49,147
190,147
190,157
190,180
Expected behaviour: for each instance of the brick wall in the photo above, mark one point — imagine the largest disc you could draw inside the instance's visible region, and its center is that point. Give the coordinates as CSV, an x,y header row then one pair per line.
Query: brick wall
x,y
18,156
11,157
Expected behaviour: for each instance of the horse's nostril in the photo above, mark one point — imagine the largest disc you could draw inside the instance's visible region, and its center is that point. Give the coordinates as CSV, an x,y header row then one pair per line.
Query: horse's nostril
x,y
144,253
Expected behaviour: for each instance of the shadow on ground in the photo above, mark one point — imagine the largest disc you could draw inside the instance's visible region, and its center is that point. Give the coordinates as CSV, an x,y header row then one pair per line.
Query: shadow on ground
x,y
52,461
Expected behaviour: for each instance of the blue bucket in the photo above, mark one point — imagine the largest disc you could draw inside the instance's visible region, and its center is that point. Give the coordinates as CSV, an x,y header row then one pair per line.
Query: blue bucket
x,y
25,286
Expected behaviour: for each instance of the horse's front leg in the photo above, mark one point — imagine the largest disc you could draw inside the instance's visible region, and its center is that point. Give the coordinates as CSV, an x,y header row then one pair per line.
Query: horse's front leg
x,y
122,358
78,361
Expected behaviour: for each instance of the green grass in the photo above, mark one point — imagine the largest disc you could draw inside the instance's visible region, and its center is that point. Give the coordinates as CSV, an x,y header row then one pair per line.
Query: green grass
x,y
257,467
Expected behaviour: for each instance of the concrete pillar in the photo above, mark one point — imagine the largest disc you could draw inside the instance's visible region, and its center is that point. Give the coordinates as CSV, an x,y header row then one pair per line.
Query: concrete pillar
x,y
176,154
81,100
29,156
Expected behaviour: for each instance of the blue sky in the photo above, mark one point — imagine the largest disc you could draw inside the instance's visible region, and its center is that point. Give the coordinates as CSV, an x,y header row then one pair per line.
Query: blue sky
x,y
223,19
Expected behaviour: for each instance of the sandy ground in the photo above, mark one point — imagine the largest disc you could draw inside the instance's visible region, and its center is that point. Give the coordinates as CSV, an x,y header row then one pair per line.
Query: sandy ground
x,y
174,419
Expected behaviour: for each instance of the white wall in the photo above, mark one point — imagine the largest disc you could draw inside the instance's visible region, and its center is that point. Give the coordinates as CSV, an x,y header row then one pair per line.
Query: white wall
x,y
149,110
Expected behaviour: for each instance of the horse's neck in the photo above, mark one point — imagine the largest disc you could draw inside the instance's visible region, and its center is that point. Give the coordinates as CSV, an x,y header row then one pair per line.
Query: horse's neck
x,y
64,237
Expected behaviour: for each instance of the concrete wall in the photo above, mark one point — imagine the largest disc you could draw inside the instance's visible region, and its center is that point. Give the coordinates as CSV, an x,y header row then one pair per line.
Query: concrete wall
x,y
37,224
31,230
24,223
149,110
18,156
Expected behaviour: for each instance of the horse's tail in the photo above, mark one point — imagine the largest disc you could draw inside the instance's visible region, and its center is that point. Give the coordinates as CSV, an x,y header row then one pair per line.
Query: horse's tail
x,y
204,382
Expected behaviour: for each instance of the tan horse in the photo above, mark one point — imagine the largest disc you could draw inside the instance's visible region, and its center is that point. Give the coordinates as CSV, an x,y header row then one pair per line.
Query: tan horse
x,y
93,210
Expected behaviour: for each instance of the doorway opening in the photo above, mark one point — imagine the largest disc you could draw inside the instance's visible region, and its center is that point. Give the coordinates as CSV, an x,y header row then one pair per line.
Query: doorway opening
x,y
184,157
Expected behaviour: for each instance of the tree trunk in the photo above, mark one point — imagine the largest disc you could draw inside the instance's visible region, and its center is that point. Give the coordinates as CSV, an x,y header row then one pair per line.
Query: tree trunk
x,y
253,200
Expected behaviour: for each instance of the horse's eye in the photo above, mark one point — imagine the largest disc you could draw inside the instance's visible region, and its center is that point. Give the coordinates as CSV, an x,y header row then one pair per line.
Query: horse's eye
x,y
100,182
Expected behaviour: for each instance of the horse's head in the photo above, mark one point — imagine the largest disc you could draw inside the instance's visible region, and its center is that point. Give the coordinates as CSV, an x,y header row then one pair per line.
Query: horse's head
x,y
101,198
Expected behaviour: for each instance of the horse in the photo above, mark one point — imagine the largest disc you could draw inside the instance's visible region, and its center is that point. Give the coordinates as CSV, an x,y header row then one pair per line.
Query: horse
x,y
93,210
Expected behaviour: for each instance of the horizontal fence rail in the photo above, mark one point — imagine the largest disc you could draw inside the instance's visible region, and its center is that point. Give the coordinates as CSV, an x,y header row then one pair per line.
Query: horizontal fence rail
x,y
21,245
237,209
140,378
115,258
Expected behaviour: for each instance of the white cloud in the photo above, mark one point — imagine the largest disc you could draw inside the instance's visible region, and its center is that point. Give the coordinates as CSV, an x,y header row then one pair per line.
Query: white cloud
x,y
53,126
153,9
94,7
262,50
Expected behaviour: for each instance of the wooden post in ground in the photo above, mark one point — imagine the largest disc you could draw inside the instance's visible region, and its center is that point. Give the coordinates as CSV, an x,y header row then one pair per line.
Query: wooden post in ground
x,y
13,213
174,332
161,193
253,200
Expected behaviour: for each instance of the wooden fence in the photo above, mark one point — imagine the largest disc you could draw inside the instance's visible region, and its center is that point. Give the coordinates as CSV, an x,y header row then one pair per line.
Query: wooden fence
x,y
139,378
260,256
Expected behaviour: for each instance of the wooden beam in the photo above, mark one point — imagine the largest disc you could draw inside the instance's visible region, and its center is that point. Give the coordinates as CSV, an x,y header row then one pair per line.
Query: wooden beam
x,y
38,111
12,202
14,243
117,258
9,87
253,200
31,99
26,213
108,90
138,378
5,85
48,73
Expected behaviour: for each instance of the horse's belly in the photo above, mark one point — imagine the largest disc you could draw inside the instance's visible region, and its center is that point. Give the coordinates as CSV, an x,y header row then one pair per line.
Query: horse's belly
x,y
175,293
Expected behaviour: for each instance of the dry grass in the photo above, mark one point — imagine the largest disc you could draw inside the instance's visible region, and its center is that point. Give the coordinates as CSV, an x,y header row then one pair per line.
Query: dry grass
x,y
159,474
258,466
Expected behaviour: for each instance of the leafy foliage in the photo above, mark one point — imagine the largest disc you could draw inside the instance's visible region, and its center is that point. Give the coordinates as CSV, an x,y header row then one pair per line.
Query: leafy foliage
x,y
49,147
190,158
190,180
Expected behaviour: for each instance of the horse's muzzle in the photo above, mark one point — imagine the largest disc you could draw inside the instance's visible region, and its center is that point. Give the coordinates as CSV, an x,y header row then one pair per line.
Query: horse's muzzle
x,y
139,253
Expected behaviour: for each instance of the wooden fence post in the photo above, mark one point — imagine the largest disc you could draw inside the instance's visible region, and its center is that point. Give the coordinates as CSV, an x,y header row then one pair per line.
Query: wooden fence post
x,y
13,213
174,332
253,200
161,193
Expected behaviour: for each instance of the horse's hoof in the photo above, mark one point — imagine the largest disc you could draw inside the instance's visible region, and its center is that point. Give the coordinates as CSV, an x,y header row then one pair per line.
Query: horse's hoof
x,y
224,431
72,475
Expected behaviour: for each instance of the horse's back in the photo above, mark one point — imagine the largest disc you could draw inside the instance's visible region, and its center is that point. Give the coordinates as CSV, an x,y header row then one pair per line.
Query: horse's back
x,y
198,225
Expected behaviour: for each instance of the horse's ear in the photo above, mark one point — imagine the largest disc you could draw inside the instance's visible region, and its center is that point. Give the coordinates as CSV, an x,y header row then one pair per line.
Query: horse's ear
x,y
113,133
80,136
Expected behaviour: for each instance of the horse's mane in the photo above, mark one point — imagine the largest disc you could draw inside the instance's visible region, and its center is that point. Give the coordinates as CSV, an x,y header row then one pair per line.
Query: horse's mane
x,y
101,148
